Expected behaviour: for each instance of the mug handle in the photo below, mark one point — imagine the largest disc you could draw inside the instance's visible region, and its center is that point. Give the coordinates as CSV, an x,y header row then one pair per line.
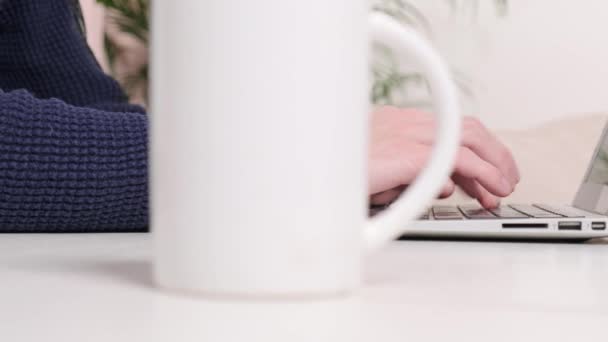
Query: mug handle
x,y
391,223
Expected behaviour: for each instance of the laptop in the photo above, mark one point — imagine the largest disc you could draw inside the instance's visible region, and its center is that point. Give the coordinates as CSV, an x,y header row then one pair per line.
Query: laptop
x,y
585,219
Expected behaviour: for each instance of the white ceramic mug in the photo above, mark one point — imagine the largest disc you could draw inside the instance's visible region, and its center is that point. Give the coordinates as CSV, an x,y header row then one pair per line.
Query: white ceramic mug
x,y
260,124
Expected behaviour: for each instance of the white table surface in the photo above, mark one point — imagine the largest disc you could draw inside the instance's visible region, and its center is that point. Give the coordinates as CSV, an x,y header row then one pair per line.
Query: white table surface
x,y
97,287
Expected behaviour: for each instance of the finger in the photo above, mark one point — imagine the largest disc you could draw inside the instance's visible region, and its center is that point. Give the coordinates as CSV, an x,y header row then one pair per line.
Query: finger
x,y
480,140
390,196
476,137
448,189
386,197
476,191
470,165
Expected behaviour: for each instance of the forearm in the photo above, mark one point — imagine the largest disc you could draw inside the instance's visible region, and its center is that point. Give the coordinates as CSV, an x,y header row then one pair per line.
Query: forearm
x,y
67,168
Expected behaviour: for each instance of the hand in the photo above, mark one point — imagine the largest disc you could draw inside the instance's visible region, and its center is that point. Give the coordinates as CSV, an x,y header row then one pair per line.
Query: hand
x,y
401,142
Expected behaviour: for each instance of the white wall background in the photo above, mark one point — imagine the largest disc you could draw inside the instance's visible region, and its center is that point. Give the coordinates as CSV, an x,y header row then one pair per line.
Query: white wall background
x,y
547,59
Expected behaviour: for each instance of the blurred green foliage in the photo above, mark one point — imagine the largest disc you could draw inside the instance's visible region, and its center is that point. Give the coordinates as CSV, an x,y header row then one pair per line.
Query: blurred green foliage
x,y
132,17
391,85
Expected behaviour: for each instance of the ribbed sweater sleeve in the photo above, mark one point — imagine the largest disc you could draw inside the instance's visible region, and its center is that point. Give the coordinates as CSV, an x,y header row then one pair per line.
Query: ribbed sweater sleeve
x,y
70,169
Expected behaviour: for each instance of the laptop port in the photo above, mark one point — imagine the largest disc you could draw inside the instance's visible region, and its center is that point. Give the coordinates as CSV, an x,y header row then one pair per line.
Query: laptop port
x,y
525,225
598,225
570,225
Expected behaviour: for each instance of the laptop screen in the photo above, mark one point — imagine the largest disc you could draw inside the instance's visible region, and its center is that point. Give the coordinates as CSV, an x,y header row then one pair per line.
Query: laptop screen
x,y
598,173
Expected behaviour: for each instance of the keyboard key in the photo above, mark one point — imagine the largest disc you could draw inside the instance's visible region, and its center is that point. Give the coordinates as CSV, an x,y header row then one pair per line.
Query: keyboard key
x,y
469,206
476,212
425,215
507,213
533,211
448,217
445,209
447,213
563,211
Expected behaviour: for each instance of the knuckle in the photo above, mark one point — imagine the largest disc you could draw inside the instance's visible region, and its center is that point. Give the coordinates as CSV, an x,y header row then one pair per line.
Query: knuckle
x,y
464,153
504,155
472,138
475,127
474,130
490,173
473,122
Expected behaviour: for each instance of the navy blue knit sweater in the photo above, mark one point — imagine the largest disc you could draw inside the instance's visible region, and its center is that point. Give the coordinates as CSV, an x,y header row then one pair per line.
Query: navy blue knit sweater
x,y
73,152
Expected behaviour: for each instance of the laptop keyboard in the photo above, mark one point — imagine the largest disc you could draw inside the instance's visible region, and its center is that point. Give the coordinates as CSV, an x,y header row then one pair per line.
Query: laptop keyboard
x,y
513,211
